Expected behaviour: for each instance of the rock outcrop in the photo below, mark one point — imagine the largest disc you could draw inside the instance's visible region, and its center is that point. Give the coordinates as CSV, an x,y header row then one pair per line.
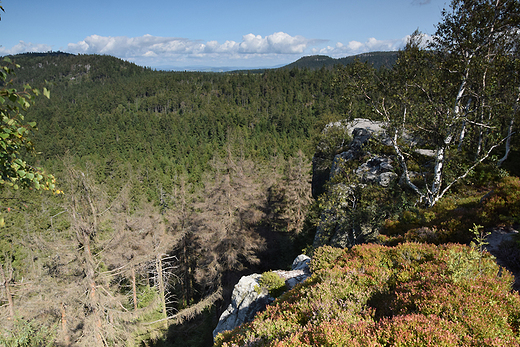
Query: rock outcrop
x,y
247,299
337,227
377,170
245,303
356,133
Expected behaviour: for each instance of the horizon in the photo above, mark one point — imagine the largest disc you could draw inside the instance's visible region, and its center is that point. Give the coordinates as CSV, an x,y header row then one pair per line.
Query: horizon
x,y
202,68
237,34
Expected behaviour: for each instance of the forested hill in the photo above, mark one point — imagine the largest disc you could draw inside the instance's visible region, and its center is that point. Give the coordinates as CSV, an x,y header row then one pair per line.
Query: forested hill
x,y
58,67
376,59
104,106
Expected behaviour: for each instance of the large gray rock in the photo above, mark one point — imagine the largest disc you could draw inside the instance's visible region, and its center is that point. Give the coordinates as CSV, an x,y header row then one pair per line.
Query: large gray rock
x,y
377,170
247,300
374,127
301,263
350,136
245,303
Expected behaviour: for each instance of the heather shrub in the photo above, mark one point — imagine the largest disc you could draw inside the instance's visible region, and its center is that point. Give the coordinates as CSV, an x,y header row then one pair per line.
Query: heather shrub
x,y
415,330
324,258
408,295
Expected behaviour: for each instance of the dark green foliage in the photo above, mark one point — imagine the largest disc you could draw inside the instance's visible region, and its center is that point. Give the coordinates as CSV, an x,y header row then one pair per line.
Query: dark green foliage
x,y
503,205
169,123
28,334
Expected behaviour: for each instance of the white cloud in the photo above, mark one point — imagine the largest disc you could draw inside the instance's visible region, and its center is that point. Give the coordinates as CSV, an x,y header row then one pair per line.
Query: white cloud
x,y
253,50
155,51
371,45
122,46
23,47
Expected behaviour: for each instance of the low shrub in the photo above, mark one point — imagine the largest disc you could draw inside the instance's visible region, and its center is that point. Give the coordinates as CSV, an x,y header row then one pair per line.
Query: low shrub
x,y
28,334
408,295
273,283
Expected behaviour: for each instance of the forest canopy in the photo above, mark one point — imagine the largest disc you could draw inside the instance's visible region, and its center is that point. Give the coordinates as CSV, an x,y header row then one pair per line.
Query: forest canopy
x,y
177,183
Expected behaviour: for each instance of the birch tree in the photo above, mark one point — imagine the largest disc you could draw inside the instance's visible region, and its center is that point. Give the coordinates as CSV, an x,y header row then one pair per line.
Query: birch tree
x,y
452,94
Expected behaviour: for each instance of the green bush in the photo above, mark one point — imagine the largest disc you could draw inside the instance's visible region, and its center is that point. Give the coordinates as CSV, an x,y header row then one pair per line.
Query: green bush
x,y
448,221
273,283
502,207
27,334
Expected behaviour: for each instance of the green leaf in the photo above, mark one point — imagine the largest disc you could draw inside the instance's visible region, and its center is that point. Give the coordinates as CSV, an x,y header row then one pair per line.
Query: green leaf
x,y
46,93
20,162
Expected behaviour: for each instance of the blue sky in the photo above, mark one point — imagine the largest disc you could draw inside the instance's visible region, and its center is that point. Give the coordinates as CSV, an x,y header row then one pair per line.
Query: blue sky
x,y
178,34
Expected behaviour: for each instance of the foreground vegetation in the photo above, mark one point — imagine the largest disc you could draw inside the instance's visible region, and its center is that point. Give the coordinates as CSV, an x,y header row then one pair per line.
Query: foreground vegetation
x,y
408,295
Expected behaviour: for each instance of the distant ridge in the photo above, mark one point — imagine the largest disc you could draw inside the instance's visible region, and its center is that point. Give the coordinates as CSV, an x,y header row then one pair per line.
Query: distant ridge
x,y
316,62
377,59
312,62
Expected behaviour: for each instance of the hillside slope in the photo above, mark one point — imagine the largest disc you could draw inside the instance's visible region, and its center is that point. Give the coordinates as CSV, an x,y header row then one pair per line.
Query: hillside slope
x,y
376,59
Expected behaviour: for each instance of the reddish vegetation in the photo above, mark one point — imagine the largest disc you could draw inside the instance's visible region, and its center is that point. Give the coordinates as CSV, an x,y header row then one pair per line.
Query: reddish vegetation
x,y
408,295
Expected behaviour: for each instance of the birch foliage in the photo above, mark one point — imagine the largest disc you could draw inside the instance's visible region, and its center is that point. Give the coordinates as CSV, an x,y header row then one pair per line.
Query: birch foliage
x,y
455,95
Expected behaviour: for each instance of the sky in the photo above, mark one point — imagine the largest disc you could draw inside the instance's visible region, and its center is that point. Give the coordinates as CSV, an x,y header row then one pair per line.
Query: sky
x,y
171,34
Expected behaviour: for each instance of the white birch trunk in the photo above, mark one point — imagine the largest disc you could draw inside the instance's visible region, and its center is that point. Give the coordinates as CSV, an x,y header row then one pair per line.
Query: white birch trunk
x,y
510,131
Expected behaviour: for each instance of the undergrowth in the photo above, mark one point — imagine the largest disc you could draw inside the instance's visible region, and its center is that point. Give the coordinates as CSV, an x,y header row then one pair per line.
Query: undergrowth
x,y
451,218
408,295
